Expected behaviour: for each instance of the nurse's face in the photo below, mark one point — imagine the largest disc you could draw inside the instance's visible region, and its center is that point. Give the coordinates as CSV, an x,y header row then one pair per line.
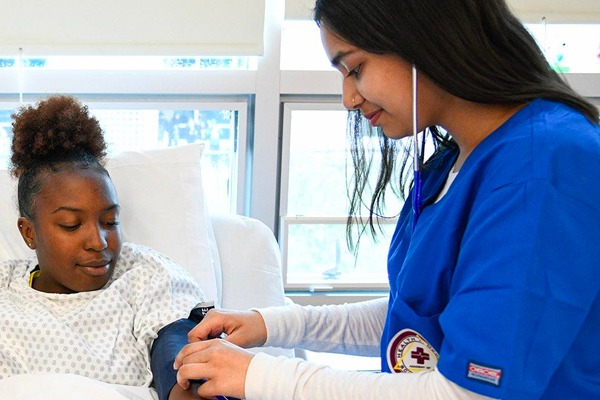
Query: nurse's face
x,y
380,85
76,233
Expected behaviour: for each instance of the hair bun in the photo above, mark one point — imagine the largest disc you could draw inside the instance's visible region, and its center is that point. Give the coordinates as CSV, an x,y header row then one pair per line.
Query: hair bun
x,y
56,129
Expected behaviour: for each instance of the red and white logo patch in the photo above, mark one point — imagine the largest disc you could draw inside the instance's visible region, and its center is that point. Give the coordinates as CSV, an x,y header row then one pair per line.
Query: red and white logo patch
x,y
484,373
408,351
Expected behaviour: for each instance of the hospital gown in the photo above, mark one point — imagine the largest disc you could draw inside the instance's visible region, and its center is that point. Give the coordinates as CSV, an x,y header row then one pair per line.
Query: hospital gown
x,y
104,334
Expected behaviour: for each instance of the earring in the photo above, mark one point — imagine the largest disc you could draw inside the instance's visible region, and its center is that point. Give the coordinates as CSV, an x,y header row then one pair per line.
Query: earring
x,y
353,102
29,244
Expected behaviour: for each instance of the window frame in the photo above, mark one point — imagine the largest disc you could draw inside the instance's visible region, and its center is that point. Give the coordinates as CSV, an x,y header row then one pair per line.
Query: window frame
x,y
285,221
308,89
151,89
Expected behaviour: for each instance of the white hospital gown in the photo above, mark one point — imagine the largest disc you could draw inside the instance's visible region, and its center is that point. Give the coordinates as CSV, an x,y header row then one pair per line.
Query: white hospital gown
x,y
104,334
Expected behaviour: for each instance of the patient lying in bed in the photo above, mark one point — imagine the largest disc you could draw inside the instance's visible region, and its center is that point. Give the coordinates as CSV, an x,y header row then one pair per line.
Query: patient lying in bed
x,y
87,305
105,334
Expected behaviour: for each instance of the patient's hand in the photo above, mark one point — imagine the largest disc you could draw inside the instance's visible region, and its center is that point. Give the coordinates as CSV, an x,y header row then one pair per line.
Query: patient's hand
x,y
243,328
178,393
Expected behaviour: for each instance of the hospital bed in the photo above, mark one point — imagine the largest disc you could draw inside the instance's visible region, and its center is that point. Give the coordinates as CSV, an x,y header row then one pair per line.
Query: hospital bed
x,y
235,259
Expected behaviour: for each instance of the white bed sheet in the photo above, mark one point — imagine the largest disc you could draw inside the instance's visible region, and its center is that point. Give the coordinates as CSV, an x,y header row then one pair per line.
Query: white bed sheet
x,y
50,386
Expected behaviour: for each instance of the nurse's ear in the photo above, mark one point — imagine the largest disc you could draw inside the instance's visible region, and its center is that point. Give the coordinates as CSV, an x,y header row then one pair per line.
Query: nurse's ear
x,y
27,231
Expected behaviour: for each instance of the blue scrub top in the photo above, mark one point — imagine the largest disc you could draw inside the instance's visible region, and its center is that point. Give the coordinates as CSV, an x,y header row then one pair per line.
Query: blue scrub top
x,y
499,282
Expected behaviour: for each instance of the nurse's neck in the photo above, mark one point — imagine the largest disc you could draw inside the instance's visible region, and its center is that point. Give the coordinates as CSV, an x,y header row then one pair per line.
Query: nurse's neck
x,y
473,122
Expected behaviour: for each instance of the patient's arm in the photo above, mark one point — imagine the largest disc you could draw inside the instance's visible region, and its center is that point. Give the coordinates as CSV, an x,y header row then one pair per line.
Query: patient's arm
x,y
169,342
177,393
167,345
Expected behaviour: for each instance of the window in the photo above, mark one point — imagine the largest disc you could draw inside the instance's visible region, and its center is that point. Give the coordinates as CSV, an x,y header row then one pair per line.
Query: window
x,y
138,120
164,126
312,227
313,203
129,127
5,136
293,75
569,48
301,47
314,206
139,63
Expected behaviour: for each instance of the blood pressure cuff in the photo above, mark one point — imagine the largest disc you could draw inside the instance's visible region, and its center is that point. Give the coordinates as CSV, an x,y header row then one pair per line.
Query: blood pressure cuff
x,y
166,346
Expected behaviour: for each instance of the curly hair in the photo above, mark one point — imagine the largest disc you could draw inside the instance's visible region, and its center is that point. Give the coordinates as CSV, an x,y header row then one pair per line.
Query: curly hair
x,y
56,134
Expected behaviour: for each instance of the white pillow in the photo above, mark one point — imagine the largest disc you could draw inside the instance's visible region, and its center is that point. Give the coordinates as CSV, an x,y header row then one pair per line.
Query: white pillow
x,y
162,206
11,242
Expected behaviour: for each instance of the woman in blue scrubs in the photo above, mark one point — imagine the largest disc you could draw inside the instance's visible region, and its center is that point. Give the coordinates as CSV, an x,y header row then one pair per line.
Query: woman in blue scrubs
x,y
494,267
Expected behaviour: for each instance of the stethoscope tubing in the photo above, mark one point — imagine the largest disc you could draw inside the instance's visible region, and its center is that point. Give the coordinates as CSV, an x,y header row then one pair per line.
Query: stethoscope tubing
x,y
417,201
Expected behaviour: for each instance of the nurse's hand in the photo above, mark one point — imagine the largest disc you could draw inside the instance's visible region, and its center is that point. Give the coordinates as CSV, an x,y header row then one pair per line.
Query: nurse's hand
x,y
223,365
243,328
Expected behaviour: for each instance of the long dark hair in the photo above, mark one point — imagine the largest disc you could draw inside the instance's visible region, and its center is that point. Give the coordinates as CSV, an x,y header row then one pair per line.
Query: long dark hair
x,y
476,50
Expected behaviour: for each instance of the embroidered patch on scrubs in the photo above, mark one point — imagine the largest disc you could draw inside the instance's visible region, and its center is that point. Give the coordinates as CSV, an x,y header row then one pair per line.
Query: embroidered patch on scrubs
x,y
408,351
484,373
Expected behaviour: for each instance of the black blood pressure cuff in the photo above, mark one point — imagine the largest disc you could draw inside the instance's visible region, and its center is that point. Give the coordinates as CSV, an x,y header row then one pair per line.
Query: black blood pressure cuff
x,y
200,311
166,346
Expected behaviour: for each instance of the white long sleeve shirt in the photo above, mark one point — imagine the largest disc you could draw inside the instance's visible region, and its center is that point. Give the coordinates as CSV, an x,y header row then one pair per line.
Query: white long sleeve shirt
x,y
351,329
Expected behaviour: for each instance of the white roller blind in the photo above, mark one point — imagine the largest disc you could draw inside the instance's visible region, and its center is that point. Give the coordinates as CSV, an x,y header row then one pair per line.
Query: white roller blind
x,y
132,27
555,11
299,9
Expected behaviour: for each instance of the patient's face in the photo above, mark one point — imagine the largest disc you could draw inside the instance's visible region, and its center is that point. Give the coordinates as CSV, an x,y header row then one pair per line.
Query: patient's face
x,y
77,235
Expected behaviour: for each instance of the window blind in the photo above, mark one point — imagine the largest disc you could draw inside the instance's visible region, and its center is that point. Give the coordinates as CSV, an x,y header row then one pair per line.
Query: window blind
x,y
530,11
557,11
132,27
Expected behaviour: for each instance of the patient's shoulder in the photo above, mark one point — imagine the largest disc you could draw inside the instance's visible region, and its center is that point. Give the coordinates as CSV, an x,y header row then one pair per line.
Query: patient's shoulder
x,y
143,260
134,255
11,270
143,272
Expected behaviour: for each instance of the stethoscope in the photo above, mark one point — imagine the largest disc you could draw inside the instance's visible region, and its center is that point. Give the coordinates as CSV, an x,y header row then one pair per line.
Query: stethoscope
x,y
418,154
